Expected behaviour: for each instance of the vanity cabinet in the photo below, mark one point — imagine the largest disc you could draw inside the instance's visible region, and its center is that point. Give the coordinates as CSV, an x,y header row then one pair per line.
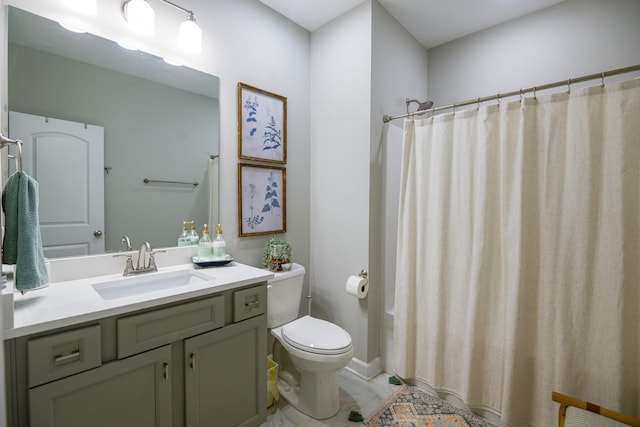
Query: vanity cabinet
x,y
223,377
132,392
201,362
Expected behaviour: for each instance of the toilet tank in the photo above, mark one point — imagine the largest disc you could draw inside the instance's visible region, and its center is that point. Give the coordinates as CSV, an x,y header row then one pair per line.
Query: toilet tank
x,y
283,296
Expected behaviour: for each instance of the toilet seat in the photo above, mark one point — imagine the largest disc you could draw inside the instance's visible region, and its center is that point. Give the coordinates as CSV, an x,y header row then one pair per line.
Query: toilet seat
x,y
316,336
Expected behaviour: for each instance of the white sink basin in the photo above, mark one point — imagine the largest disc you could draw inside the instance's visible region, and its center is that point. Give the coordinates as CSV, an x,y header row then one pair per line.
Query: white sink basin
x,y
147,282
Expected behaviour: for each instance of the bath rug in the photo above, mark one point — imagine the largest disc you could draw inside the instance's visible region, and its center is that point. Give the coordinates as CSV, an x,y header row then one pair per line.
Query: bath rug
x,y
411,407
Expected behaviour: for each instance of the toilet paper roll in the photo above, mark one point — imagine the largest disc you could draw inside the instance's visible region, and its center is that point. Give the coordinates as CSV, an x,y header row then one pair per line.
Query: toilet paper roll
x,y
357,286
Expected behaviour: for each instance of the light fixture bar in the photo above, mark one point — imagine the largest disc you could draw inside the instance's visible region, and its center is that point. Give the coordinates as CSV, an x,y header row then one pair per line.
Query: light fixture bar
x,y
189,12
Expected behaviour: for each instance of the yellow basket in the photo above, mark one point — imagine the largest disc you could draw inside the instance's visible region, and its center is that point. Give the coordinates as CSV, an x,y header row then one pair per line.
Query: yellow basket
x,y
272,379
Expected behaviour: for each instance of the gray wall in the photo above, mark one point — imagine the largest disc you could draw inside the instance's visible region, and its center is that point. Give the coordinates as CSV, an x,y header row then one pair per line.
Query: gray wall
x,y
364,65
340,141
571,39
151,131
399,71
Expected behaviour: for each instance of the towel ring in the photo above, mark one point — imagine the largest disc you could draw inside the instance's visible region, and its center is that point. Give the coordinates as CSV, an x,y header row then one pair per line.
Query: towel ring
x,y
18,157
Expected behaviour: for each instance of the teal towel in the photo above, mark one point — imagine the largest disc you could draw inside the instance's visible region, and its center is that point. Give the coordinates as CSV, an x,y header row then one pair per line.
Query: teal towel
x,y
22,244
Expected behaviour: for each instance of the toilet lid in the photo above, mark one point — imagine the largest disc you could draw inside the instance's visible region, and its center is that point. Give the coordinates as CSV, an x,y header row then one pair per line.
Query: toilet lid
x,y
316,336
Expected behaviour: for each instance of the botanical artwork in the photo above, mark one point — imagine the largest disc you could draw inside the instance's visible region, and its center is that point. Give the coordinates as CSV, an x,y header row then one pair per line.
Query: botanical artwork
x,y
261,199
262,125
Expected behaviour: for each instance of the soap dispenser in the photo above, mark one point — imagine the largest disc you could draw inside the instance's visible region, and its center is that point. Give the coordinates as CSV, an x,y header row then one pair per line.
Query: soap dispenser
x,y
219,245
204,245
184,239
193,234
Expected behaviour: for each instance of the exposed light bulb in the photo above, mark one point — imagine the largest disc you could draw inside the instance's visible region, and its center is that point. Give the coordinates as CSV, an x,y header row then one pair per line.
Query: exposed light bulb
x,y
190,35
89,7
140,17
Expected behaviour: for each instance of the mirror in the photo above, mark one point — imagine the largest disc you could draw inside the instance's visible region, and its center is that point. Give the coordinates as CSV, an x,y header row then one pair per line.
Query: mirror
x,y
160,122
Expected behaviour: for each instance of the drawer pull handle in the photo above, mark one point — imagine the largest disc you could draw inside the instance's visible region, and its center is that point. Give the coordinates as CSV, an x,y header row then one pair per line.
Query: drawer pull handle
x,y
252,305
62,360
165,374
193,361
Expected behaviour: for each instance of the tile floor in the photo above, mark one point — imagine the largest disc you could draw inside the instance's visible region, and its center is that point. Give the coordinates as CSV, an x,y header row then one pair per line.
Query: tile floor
x,y
356,394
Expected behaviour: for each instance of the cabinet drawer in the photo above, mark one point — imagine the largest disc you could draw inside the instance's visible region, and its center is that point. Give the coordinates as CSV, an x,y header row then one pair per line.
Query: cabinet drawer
x,y
59,355
153,329
249,303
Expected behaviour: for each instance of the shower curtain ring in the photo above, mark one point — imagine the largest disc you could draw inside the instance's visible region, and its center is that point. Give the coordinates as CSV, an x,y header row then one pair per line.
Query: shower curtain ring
x,y
521,97
535,96
569,86
478,103
602,79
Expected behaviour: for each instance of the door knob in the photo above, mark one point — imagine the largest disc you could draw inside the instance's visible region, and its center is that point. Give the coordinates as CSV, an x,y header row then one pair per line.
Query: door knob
x,y
97,233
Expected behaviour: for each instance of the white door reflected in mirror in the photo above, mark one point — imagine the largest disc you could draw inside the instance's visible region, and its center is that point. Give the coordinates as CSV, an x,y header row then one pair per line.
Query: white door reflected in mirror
x,y
67,160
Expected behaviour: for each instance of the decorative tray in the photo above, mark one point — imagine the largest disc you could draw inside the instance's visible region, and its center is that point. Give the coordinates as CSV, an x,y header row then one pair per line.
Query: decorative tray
x,y
212,262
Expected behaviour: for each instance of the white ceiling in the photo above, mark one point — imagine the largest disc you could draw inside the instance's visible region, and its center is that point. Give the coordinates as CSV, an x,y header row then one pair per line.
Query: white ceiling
x,y
431,22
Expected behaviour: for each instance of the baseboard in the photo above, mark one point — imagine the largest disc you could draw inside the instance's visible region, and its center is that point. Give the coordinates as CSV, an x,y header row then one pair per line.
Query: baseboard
x,y
366,371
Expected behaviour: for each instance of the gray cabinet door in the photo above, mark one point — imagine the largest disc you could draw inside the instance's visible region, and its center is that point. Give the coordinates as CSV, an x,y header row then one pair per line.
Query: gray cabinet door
x,y
133,392
225,376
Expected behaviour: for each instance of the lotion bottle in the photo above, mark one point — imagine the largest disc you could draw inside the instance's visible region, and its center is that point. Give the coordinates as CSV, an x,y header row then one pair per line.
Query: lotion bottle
x,y
184,239
204,245
219,245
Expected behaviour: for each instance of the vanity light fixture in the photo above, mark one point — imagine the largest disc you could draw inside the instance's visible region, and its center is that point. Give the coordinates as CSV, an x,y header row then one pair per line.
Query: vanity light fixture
x,y
190,33
140,17
88,7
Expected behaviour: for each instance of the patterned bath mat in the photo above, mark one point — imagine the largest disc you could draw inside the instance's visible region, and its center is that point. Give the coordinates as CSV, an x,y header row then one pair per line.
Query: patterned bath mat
x,y
411,407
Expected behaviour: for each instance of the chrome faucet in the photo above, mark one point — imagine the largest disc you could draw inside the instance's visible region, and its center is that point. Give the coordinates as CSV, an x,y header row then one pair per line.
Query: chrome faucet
x,y
145,247
142,266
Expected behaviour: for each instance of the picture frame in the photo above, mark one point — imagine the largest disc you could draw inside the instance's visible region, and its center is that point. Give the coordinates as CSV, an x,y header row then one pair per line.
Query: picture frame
x,y
262,199
262,125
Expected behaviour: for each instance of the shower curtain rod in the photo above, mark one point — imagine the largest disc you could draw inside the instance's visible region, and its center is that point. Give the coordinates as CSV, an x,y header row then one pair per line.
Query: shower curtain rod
x,y
520,92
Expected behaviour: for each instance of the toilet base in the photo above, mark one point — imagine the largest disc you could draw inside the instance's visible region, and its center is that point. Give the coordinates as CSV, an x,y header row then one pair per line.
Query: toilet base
x,y
316,395
309,381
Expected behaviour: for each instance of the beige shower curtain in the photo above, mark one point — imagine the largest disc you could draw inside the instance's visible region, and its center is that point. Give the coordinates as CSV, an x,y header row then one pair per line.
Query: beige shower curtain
x,y
518,266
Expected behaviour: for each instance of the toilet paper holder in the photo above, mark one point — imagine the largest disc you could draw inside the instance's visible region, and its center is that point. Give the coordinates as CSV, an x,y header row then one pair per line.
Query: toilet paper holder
x,y
363,273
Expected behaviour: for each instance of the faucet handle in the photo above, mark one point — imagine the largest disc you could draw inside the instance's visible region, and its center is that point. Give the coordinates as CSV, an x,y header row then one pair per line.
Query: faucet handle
x,y
128,268
152,260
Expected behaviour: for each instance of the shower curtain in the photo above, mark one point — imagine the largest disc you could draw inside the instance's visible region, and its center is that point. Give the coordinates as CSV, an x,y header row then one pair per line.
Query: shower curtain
x,y
518,263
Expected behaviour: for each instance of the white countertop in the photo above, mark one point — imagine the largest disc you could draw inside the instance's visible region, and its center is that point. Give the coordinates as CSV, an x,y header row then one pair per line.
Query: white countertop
x,y
71,302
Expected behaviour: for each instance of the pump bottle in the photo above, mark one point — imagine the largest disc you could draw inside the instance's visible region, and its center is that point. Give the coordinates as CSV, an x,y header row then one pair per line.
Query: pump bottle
x,y
219,245
193,234
183,238
204,245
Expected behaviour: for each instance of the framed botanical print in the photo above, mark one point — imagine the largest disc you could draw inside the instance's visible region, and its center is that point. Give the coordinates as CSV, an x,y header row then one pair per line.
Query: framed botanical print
x,y
262,201
262,125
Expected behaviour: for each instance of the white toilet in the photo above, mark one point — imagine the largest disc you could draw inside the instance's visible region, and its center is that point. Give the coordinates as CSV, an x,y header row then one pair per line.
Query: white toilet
x,y
314,349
